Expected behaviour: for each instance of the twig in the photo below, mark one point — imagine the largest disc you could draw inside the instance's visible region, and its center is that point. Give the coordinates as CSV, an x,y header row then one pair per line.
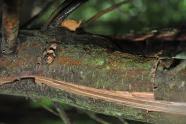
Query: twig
x,y
104,12
94,117
34,19
66,11
46,107
122,120
153,71
10,26
62,113
64,4
123,12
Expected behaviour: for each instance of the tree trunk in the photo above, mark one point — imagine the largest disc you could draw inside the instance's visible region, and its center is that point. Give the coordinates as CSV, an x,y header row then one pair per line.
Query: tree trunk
x,y
94,73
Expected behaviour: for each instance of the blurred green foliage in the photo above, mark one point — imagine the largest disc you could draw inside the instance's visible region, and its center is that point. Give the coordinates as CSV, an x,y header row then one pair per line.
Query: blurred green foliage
x,y
138,15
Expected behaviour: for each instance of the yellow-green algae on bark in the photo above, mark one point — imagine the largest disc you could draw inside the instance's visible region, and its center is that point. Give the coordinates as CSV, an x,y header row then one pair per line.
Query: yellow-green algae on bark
x,y
83,60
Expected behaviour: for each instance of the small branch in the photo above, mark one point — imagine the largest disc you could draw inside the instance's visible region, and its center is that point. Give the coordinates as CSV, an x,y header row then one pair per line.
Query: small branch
x,y
46,107
34,19
104,12
123,12
62,11
153,72
62,113
94,117
122,120
66,11
65,3
10,26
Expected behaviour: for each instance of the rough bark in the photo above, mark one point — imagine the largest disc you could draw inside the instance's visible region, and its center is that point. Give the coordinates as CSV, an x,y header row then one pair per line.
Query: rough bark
x,y
93,62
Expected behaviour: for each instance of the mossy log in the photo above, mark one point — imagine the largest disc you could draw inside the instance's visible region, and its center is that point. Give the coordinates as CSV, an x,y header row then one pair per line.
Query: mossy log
x,y
94,73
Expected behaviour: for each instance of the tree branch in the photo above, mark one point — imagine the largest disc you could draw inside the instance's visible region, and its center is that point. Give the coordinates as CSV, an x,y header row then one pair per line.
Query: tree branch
x,y
61,112
91,72
10,26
